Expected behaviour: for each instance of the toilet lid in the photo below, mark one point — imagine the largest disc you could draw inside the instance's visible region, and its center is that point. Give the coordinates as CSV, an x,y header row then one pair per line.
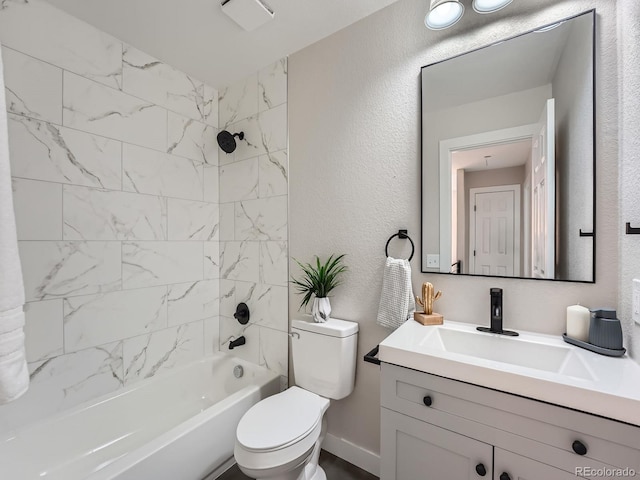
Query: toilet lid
x,y
281,420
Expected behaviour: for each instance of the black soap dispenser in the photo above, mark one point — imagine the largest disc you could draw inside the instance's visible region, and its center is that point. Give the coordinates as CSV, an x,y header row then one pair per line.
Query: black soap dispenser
x,y
604,329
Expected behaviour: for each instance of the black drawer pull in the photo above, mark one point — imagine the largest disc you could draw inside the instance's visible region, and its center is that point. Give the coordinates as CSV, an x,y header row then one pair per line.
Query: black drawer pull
x,y
579,447
505,476
480,470
427,400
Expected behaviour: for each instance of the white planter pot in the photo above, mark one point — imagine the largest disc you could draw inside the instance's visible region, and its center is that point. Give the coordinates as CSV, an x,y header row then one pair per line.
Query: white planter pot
x,y
321,309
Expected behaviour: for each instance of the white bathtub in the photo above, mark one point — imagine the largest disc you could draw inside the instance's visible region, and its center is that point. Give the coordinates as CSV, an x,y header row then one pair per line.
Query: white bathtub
x,y
179,425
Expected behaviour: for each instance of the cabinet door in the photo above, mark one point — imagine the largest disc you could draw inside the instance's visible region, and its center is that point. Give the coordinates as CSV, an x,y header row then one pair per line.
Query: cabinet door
x,y
415,450
510,466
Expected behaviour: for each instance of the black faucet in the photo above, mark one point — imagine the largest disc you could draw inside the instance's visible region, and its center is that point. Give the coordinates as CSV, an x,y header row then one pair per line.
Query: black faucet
x,y
237,342
496,315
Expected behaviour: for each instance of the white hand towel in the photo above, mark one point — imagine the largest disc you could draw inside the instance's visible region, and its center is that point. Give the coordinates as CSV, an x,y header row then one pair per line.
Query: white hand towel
x,y
396,300
14,375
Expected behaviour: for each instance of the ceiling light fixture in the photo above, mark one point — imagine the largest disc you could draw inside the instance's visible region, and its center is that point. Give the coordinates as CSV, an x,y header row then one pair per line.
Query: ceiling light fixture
x,y
489,6
443,14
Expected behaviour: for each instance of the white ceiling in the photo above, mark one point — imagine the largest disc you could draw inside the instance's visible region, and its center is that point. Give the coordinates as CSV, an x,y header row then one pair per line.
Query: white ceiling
x,y
525,62
197,38
500,156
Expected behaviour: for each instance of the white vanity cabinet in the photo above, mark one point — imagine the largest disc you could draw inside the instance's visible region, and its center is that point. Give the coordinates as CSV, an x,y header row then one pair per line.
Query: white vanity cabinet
x,y
433,428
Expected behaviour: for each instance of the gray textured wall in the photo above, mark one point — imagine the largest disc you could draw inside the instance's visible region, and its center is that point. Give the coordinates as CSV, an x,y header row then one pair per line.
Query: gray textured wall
x,y
629,81
354,113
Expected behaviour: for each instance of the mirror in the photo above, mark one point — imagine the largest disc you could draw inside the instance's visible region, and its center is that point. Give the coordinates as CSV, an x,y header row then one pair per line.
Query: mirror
x,y
508,140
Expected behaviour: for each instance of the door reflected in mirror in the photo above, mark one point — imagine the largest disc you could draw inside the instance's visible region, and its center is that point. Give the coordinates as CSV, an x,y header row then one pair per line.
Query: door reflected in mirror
x,y
508,157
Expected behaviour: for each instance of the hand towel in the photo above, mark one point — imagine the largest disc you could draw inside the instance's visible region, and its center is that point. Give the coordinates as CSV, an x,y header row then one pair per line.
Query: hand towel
x,y
14,375
396,300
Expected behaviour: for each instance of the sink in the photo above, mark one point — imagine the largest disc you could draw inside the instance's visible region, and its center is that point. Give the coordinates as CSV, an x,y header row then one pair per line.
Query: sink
x,y
532,365
516,351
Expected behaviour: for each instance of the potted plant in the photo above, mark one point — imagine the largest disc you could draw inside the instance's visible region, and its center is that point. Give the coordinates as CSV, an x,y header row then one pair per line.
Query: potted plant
x,y
317,281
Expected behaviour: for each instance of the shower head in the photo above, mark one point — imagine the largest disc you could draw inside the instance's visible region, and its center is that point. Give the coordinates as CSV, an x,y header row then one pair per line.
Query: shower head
x,y
227,142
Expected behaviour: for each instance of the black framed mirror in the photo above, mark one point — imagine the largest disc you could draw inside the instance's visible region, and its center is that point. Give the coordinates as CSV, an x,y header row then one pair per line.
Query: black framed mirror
x,y
508,157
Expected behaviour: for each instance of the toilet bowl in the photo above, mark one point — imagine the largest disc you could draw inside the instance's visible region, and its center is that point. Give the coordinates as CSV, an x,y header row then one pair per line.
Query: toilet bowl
x,y
280,437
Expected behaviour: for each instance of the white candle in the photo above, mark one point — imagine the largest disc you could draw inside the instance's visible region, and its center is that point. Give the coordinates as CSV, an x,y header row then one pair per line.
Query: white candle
x,y
578,319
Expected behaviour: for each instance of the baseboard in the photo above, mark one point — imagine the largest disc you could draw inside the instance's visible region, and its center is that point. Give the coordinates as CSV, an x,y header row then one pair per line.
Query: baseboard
x,y
352,453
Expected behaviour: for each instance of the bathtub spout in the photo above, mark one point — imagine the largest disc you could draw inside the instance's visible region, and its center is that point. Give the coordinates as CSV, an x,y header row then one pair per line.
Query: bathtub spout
x,y
237,342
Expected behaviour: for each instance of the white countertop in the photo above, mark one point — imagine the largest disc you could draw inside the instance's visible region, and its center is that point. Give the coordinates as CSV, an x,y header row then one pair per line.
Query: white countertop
x,y
605,386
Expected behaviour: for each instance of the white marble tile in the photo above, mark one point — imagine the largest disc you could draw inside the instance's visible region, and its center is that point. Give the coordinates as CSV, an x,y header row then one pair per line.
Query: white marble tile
x,y
211,260
274,174
268,304
231,329
274,263
274,350
42,151
227,298
191,139
94,108
38,209
227,222
239,181
95,370
211,184
193,301
239,261
272,85
264,133
43,330
146,77
145,264
238,101
158,173
64,381
211,335
33,88
63,269
147,355
189,220
210,145
45,32
209,105
92,214
273,129
262,219
92,320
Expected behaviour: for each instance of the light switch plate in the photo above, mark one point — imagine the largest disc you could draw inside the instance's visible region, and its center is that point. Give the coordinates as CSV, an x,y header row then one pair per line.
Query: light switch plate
x,y
433,260
636,300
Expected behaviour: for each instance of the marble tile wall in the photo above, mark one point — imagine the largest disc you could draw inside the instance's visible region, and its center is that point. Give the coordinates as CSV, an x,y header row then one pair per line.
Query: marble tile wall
x,y
115,179
253,194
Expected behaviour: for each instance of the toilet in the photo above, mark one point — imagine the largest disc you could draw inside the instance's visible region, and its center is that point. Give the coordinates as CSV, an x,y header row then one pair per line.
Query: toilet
x,y
279,438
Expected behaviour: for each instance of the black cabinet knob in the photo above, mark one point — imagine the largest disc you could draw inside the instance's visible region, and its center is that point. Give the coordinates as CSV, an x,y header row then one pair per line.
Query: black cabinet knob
x,y
427,401
579,447
480,470
505,476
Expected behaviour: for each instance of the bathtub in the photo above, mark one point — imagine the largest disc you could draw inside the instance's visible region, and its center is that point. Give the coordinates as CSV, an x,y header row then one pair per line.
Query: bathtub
x,y
179,425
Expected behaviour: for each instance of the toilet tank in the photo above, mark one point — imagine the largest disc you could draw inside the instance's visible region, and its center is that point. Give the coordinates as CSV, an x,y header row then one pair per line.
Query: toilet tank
x,y
324,356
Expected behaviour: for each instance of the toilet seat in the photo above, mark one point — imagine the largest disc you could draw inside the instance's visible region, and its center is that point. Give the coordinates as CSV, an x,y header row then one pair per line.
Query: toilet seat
x,y
279,432
281,420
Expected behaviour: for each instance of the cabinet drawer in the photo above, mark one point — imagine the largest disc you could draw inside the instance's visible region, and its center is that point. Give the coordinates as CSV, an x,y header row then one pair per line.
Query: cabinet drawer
x,y
503,416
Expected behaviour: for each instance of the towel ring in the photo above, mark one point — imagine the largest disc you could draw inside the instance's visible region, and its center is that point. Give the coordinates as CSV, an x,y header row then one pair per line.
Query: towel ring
x,y
400,234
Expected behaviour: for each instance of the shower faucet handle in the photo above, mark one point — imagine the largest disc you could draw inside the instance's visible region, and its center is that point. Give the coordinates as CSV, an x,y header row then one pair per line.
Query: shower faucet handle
x,y
242,313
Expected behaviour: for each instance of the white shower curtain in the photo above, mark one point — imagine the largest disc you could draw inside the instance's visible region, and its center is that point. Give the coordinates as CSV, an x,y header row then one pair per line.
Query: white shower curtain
x,y
14,375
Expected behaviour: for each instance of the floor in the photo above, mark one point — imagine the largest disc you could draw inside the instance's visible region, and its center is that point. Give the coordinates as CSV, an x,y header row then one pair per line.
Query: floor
x,y
334,467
